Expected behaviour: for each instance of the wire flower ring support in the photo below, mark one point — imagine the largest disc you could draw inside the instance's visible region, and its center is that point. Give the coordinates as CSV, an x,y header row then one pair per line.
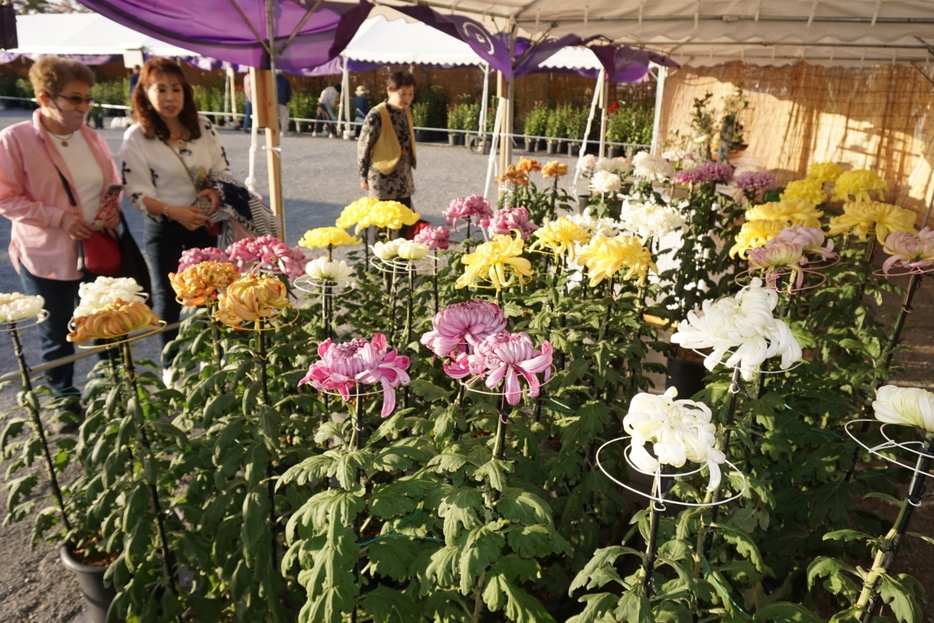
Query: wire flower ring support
x,y
657,498
399,265
902,270
9,326
124,339
911,447
330,287
771,277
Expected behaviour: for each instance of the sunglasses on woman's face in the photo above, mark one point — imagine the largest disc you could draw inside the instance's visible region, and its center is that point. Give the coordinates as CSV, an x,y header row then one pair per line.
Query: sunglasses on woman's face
x,y
76,100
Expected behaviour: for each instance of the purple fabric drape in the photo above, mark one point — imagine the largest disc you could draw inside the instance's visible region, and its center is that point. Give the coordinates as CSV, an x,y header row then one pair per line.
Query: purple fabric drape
x,y
216,29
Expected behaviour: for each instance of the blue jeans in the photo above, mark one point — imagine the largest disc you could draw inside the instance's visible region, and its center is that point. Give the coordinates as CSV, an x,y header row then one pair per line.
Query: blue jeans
x,y
164,243
61,298
248,116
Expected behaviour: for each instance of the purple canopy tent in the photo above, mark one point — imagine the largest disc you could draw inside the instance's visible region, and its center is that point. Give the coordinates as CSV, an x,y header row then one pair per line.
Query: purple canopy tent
x,y
264,34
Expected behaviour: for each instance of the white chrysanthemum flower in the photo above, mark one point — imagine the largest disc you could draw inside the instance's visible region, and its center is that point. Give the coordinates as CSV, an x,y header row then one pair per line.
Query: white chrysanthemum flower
x,y
652,168
18,306
620,166
595,227
742,326
648,219
411,250
94,296
387,250
585,165
680,431
604,182
907,406
326,270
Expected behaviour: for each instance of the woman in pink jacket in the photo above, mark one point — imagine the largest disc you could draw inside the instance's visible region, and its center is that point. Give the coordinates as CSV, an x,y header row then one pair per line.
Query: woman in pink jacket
x,y
53,177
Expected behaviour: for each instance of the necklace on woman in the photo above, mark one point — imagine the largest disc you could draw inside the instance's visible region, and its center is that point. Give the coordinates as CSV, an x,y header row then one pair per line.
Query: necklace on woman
x,y
64,139
178,140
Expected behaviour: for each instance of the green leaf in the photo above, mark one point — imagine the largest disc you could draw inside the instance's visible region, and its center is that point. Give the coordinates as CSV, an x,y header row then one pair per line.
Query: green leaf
x,y
495,472
442,571
347,467
429,391
633,607
512,567
743,543
785,612
597,607
480,549
848,535
391,557
398,498
520,606
525,508
390,606
461,509
900,599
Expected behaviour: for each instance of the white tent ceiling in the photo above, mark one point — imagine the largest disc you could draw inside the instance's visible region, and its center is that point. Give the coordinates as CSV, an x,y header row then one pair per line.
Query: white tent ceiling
x,y
714,31
84,33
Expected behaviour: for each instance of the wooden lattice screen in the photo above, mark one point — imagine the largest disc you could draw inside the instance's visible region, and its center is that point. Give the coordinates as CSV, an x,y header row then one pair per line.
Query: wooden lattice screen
x,y
878,118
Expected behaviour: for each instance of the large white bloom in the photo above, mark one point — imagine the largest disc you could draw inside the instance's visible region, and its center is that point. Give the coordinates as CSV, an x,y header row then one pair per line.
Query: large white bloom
x,y
387,250
908,406
411,250
604,182
648,219
652,168
585,165
620,166
18,306
742,326
595,227
680,431
94,296
326,270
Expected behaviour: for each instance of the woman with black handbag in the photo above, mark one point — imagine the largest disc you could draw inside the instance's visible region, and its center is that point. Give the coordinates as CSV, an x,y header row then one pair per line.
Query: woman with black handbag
x,y
54,178
167,159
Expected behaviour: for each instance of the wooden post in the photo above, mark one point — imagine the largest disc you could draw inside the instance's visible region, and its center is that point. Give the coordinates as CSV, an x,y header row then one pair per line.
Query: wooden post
x,y
266,116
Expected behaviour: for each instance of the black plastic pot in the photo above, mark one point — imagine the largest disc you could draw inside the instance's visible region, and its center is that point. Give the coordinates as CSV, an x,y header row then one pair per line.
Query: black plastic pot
x,y
531,145
551,147
422,136
614,152
582,202
574,149
687,376
97,597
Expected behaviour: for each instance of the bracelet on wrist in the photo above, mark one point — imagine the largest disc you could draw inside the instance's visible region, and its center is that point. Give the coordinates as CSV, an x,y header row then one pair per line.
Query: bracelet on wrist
x,y
165,212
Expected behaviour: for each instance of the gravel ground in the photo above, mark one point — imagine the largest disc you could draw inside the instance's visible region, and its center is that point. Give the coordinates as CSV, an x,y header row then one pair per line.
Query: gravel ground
x,y
319,179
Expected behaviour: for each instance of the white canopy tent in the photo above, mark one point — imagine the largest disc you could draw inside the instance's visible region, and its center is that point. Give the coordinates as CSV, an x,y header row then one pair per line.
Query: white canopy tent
x,y
85,34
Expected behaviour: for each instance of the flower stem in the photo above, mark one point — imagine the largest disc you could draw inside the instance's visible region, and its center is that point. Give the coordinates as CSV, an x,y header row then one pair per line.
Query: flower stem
x,y
216,338
262,358
356,435
392,304
660,488
169,566
609,309
31,402
727,423
913,284
434,284
869,597
409,303
499,449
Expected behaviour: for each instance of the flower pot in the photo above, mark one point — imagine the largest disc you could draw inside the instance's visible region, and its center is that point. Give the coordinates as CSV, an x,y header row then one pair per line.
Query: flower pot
x,y
574,149
422,136
452,139
614,152
687,376
540,145
97,597
551,147
582,202
531,145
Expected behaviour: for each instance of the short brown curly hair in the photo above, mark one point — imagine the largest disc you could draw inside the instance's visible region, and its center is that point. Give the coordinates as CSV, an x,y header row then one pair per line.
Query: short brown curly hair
x,y
153,126
50,74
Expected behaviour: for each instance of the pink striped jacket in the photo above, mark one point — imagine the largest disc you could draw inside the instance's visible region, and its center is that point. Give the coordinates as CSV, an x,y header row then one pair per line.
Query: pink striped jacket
x,y
33,197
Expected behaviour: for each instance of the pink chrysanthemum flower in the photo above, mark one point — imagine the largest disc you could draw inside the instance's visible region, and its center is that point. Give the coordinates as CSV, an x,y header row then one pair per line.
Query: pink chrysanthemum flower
x,y
907,250
359,361
267,253
508,219
707,172
434,237
473,208
810,239
503,357
193,257
463,323
755,180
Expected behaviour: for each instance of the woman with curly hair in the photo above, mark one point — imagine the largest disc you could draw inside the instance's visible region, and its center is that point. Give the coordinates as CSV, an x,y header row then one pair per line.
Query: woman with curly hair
x,y
54,175
167,158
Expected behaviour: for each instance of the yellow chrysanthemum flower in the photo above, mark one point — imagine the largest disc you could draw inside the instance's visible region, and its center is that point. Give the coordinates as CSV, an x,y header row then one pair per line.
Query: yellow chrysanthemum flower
x,y
856,184
251,298
353,213
795,211
111,321
528,164
391,214
555,169
560,236
200,284
859,217
498,261
755,234
810,190
824,172
605,256
324,237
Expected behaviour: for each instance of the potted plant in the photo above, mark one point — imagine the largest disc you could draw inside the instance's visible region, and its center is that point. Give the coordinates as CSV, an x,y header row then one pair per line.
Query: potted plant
x,y
616,131
534,126
455,122
420,119
574,129
555,128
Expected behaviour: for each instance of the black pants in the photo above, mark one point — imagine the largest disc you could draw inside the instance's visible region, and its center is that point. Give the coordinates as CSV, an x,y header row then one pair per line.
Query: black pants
x,y
165,242
323,121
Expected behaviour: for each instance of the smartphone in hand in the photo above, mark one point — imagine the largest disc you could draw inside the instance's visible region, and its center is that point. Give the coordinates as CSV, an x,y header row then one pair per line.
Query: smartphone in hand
x,y
112,193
